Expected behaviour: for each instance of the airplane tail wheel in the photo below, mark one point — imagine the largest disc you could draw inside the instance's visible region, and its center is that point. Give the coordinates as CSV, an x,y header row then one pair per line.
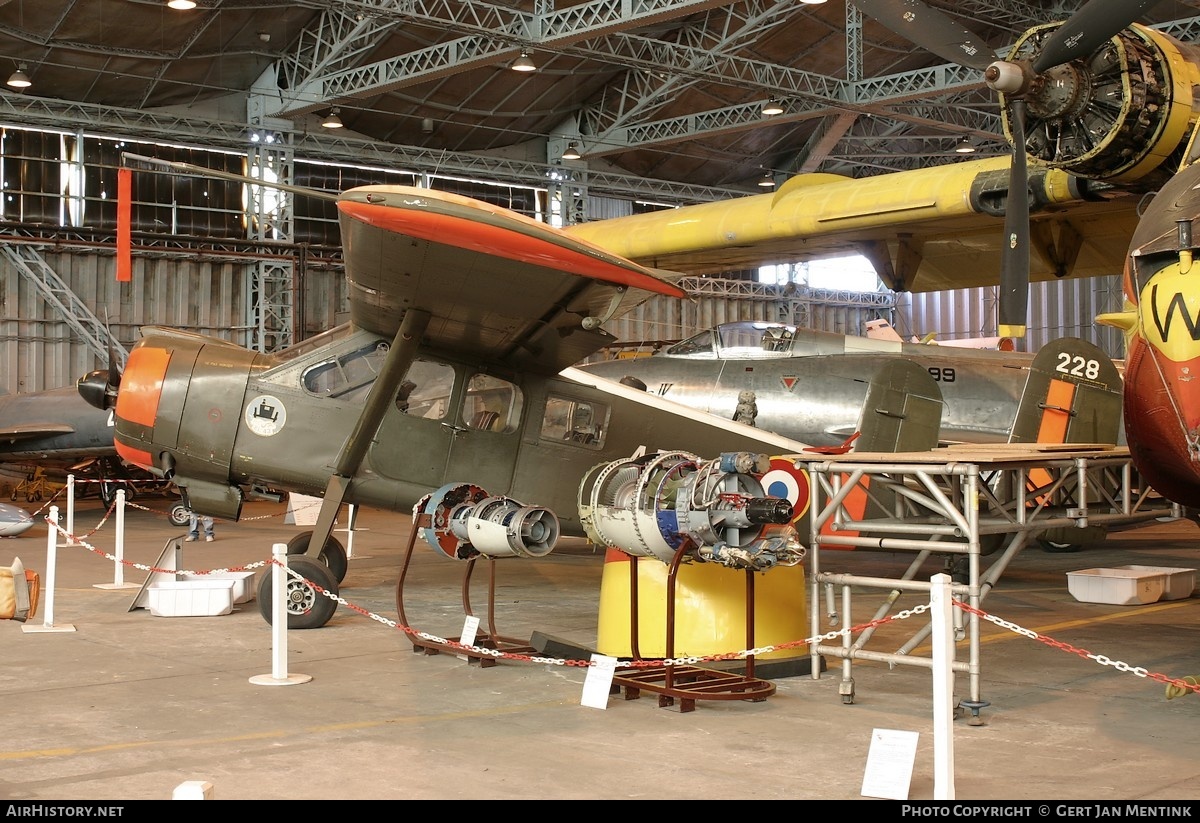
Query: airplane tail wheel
x,y
178,515
307,608
333,555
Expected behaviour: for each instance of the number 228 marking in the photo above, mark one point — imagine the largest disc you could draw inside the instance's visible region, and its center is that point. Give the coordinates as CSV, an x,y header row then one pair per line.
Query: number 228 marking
x,y
1077,366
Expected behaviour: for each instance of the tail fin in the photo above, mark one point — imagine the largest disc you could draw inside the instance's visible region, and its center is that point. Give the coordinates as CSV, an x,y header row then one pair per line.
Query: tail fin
x,y
1072,395
902,411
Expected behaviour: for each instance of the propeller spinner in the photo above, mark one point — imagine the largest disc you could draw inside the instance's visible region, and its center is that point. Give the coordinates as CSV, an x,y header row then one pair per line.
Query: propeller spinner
x,y
1019,81
99,387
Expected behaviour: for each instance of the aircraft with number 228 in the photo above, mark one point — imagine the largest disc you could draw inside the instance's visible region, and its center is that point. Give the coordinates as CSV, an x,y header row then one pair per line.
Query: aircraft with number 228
x,y
810,385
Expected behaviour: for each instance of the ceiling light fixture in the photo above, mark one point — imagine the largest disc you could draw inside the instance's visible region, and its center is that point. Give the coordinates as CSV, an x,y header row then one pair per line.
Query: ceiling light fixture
x,y
19,79
523,63
766,181
572,152
332,121
182,5
772,108
964,146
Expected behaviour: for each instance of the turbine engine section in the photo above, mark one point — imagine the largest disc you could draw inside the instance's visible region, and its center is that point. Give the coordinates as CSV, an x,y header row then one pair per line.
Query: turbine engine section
x,y
466,522
648,506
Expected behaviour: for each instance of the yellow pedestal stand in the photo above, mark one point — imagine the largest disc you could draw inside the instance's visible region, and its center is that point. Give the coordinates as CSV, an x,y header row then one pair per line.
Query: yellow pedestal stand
x,y
710,609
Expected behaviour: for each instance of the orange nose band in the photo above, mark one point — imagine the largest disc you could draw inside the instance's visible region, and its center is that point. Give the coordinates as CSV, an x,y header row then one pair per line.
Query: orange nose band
x,y
137,400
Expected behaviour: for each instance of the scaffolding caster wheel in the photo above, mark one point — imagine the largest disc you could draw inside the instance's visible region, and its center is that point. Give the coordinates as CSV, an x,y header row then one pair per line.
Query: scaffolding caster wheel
x,y
974,706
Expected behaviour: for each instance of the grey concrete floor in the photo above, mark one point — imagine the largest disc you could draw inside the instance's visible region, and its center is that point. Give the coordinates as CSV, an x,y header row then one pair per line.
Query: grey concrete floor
x,y
128,705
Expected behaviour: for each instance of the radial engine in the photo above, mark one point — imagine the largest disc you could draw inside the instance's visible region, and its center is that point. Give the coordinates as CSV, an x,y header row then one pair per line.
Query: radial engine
x,y
648,506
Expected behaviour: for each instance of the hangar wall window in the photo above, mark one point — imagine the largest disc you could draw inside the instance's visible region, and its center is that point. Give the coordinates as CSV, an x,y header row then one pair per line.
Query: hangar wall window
x,y
67,178
573,420
316,219
849,273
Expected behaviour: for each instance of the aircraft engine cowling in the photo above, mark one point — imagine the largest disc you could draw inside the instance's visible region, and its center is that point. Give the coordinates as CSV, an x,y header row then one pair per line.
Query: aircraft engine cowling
x,y
649,506
1122,114
466,522
177,414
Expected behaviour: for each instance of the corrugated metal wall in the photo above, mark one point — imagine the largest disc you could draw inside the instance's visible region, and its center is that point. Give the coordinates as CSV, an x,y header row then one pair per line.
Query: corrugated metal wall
x,y
210,294
1062,308
39,350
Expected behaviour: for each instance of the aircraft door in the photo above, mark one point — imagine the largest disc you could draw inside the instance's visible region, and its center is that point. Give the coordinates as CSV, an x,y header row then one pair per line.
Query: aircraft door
x,y
450,426
484,448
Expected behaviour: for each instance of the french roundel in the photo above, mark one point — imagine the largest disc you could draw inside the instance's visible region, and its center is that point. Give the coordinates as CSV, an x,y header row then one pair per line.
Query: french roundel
x,y
784,480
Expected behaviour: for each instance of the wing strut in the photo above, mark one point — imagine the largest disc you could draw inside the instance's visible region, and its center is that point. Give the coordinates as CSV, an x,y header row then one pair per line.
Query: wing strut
x,y
399,359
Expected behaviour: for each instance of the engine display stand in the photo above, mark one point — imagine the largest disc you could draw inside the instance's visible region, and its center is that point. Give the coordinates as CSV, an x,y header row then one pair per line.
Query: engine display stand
x,y
491,639
687,683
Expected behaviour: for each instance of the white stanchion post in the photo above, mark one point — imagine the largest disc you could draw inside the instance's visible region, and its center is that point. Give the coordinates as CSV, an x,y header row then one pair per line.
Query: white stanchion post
x,y
119,551
351,528
70,510
942,620
51,562
279,626
193,790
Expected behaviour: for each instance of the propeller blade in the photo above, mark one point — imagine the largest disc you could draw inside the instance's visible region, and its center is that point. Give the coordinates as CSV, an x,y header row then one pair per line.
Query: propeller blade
x,y
1014,267
114,368
1086,29
930,29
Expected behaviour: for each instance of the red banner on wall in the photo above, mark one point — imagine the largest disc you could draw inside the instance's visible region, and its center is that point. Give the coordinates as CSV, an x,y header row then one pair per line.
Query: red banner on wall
x,y
124,208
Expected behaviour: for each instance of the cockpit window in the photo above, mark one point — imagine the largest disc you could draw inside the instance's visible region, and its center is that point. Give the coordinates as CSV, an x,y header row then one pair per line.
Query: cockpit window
x,y
348,376
698,344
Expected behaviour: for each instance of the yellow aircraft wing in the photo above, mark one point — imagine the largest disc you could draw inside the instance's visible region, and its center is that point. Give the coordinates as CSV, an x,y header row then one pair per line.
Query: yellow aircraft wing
x,y
925,230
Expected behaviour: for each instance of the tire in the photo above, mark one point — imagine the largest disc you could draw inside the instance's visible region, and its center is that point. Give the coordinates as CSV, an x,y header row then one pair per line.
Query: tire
x,y
1055,547
333,555
307,608
178,515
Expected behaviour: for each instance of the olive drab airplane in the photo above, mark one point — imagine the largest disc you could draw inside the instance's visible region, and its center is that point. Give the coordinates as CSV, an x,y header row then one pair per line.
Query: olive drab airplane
x,y
453,368
811,385
483,311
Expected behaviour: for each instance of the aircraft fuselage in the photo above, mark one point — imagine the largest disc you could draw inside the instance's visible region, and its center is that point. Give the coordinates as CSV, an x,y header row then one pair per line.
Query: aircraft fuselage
x,y
812,387
214,418
1162,373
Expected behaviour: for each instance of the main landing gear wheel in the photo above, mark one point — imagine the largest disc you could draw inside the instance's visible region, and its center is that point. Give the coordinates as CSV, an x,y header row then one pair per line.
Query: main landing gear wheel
x,y
178,515
1056,547
333,555
306,607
